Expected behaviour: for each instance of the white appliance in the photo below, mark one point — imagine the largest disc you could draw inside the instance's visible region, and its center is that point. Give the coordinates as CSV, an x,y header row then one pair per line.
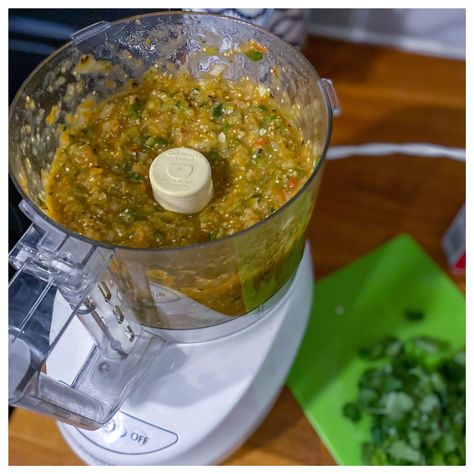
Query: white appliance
x,y
202,399
157,356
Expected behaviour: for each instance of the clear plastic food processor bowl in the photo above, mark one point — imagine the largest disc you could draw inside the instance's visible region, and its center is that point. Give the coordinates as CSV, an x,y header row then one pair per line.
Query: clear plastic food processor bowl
x,y
118,292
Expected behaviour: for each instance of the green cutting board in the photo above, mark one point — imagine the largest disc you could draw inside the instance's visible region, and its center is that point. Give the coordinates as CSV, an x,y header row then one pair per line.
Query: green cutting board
x,y
353,308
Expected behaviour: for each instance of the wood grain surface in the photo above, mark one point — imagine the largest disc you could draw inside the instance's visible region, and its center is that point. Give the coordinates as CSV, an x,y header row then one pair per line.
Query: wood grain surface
x,y
386,95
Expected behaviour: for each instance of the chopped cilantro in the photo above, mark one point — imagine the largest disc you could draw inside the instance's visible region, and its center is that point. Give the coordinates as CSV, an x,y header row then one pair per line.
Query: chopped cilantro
x,y
412,315
416,405
352,411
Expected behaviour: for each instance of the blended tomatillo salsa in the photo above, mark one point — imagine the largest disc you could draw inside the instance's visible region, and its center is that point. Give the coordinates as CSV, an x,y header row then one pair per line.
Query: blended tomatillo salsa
x,y
98,183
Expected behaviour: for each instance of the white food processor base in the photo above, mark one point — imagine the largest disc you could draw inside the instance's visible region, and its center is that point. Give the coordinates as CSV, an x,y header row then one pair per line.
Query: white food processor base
x,y
203,400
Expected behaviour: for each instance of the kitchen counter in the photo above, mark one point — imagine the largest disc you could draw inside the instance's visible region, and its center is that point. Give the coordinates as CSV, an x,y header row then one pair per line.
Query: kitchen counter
x,y
386,96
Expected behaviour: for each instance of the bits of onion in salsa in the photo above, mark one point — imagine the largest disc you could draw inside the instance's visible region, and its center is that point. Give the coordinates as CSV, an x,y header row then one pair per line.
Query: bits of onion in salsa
x,y
98,182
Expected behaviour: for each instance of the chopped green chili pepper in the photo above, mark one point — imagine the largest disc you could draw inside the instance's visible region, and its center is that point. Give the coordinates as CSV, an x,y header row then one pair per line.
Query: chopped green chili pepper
x,y
150,142
218,110
254,55
133,110
213,155
135,177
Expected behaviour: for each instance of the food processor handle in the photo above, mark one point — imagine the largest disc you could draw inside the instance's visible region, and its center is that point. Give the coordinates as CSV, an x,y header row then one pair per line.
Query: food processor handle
x,y
54,266
330,91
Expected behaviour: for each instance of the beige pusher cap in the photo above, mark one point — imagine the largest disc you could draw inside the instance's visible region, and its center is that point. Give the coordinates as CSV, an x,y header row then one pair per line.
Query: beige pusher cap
x,y
181,180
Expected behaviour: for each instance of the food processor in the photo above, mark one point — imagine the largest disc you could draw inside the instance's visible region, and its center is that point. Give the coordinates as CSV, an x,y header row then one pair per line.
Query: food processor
x,y
168,355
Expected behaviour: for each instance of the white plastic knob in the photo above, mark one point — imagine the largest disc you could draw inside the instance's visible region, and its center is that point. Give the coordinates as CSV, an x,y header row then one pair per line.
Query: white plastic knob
x,y
181,180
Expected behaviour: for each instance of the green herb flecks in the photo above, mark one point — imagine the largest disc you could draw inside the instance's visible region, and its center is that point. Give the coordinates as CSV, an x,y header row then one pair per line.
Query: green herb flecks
x,y
133,109
135,177
213,235
41,203
218,110
213,155
151,142
254,55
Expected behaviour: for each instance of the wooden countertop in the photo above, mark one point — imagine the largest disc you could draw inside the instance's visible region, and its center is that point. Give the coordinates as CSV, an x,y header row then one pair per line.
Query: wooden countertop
x,y
386,95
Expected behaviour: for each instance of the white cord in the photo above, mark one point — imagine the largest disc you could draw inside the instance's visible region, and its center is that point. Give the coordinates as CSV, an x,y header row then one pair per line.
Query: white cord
x,y
378,149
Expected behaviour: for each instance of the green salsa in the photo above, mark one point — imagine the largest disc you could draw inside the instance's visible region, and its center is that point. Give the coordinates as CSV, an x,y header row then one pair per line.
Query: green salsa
x,y
98,182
